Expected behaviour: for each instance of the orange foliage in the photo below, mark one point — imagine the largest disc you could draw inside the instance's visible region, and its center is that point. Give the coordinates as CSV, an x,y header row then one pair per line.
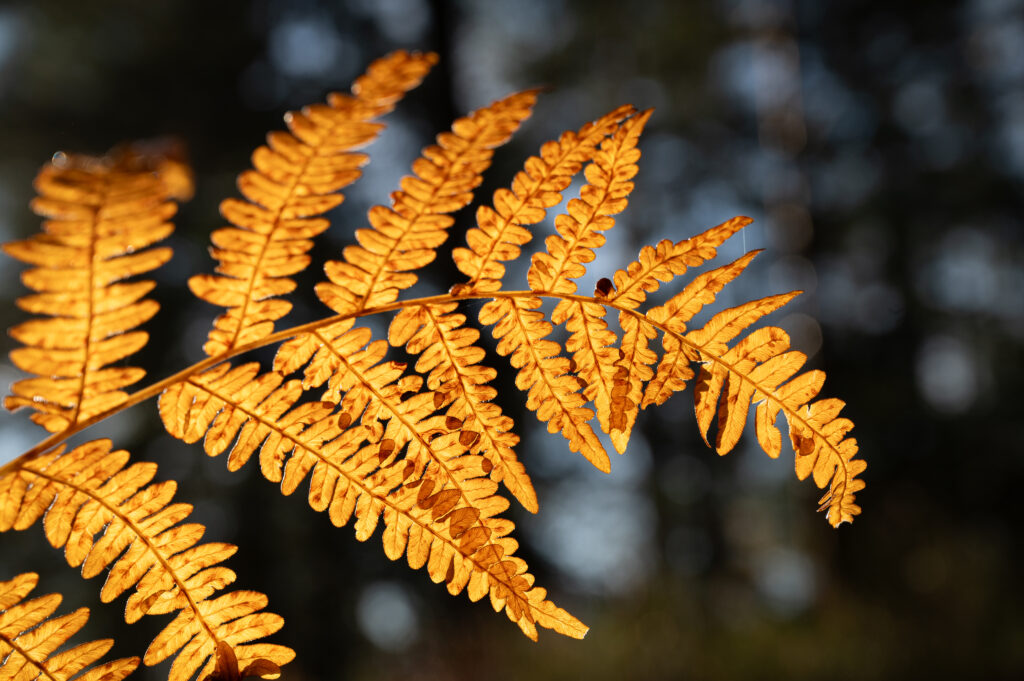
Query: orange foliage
x,y
418,451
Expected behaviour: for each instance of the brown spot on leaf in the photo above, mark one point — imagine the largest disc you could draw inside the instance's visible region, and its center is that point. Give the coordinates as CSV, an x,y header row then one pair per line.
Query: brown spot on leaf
x,y
387,447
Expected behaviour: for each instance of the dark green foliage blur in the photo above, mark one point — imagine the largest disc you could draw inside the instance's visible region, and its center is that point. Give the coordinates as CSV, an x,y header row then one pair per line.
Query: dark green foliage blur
x,y
878,145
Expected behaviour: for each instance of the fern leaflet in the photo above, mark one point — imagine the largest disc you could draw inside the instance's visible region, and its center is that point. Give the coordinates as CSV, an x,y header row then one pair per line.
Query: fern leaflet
x,y
439,508
29,638
405,237
500,229
104,214
102,514
450,360
662,263
296,178
552,391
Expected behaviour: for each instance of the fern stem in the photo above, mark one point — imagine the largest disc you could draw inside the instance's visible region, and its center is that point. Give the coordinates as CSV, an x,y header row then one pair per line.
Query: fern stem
x,y
155,389
90,306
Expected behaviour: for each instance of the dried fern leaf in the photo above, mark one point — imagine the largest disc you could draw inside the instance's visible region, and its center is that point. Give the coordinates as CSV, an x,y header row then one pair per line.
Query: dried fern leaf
x,y
552,392
104,214
609,177
29,637
579,229
296,178
438,506
500,229
594,352
227,668
102,514
633,367
632,370
662,263
405,236
818,438
711,341
758,370
674,369
450,360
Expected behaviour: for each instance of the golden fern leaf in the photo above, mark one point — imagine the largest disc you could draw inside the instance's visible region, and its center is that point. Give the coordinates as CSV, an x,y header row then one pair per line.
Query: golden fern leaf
x,y
579,232
296,178
438,505
594,354
552,391
818,438
521,330
632,370
405,237
106,514
667,260
500,230
674,369
29,636
755,371
633,366
104,214
228,669
579,229
451,362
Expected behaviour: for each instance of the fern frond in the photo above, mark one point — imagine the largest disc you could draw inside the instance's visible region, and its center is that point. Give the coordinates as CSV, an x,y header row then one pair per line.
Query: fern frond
x,y
674,369
594,352
104,214
654,266
438,506
500,230
579,233
29,637
758,370
102,514
632,370
296,178
662,263
449,358
419,452
552,392
405,237
579,230
712,341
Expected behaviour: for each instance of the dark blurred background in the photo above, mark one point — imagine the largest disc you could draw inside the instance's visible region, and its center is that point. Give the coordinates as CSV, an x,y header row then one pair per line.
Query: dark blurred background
x,y
879,147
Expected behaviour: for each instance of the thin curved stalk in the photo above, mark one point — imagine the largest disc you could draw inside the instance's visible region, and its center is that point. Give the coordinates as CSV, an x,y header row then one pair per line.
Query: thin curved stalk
x,y
158,387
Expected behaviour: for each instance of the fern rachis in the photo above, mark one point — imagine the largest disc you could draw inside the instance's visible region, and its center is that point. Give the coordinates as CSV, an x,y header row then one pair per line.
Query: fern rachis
x,y
419,450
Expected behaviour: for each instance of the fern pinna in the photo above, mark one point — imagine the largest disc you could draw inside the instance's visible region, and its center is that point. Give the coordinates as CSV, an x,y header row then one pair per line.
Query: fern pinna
x,y
419,450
